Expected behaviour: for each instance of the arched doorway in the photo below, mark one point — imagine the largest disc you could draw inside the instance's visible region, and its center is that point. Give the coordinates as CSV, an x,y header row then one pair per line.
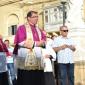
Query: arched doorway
x,y
13,21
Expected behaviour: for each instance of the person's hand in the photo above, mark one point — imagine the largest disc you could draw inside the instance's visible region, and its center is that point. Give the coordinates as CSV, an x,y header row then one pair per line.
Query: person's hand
x,y
47,56
29,44
64,46
40,43
71,47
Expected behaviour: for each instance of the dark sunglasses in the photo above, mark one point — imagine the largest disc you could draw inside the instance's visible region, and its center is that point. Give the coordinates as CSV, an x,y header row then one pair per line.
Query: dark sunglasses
x,y
64,30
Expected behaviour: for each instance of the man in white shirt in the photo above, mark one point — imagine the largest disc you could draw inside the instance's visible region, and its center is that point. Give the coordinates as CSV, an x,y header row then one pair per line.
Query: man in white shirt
x,y
64,47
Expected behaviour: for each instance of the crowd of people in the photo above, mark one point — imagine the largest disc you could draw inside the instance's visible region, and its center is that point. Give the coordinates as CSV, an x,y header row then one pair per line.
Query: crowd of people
x,y
35,53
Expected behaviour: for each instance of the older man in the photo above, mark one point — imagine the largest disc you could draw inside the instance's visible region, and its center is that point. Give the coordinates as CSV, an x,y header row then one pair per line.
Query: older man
x,y
64,46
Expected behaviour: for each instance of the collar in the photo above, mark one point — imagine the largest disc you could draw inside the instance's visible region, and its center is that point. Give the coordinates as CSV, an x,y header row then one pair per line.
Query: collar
x,y
64,37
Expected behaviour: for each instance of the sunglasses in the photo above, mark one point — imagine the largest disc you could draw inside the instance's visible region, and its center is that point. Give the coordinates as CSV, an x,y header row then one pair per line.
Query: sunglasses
x,y
64,30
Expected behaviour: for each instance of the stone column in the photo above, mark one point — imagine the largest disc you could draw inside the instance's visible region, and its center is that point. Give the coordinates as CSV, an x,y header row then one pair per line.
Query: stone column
x,y
74,14
77,27
77,32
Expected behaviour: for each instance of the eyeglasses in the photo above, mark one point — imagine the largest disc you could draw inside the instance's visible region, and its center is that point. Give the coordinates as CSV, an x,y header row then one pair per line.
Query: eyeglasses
x,y
64,30
34,17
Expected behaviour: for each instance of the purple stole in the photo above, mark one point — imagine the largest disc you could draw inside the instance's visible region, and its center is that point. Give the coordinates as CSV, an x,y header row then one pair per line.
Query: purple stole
x,y
35,34
21,35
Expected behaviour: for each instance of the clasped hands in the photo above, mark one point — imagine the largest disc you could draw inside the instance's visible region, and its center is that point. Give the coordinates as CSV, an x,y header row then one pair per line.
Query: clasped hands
x,y
30,44
66,46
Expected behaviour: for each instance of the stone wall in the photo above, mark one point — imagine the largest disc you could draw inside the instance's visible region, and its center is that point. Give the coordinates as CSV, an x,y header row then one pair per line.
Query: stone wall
x,y
80,73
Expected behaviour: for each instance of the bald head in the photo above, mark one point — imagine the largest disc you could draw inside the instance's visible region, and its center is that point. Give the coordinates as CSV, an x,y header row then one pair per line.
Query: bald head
x,y
61,27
